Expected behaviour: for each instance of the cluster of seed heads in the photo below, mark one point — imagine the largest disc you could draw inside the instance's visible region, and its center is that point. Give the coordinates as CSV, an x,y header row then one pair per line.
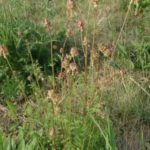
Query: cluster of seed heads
x,y
81,25
66,63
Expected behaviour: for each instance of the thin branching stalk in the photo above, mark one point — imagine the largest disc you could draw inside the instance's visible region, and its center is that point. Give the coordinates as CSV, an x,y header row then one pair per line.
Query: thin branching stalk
x,y
9,65
52,64
122,27
74,38
144,90
86,72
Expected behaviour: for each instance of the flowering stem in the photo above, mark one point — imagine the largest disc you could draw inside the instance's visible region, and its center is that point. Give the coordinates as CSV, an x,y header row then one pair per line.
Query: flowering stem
x,y
93,41
81,42
86,66
63,52
84,52
52,63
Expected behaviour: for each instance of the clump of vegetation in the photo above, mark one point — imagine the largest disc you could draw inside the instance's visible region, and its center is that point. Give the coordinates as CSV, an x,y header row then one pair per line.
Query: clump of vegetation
x,y
74,74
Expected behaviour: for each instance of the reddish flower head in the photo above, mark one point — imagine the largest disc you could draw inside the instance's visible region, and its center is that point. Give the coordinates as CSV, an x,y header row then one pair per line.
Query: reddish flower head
x,y
73,67
74,52
81,24
62,75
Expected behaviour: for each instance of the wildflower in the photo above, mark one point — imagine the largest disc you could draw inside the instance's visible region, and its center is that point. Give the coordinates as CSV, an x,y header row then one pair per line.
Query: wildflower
x,y
52,96
68,57
61,75
61,50
3,51
81,25
73,67
74,52
65,63
54,47
95,3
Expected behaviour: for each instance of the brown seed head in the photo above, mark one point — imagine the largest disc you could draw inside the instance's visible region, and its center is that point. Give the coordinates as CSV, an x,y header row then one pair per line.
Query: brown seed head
x,y
61,75
70,4
73,67
52,96
61,50
54,47
80,25
74,52
3,51
68,57
95,3
65,63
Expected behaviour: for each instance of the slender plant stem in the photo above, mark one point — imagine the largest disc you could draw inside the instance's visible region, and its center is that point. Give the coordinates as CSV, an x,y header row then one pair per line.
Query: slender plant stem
x,y
123,25
52,64
33,65
144,90
9,65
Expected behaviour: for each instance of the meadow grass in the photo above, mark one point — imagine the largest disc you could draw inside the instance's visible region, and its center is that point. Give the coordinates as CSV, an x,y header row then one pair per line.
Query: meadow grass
x,y
74,75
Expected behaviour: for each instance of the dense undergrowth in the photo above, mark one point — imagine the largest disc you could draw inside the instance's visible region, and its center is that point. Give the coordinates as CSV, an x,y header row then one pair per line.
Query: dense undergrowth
x,y
74,74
